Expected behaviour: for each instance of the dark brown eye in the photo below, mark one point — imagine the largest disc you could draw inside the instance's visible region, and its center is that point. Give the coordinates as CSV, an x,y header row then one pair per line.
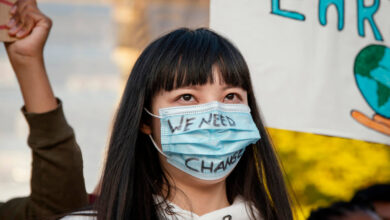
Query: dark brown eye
x,y
186,97
230,96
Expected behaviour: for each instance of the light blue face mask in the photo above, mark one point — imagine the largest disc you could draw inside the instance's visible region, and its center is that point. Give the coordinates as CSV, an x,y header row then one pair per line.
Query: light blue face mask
x,y
207,140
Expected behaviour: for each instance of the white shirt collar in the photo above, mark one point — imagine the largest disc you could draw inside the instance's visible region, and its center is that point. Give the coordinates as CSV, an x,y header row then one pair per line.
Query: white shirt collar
x,y
239,210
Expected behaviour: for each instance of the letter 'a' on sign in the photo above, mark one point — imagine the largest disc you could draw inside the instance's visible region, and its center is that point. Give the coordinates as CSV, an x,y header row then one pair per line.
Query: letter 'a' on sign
x,y
5,6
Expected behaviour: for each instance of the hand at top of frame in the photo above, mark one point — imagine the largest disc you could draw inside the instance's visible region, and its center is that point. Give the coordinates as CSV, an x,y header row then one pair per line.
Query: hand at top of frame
x,y
31,27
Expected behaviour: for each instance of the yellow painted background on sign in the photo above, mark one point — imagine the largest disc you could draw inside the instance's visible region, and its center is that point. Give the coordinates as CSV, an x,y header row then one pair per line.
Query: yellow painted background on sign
x,y
323,169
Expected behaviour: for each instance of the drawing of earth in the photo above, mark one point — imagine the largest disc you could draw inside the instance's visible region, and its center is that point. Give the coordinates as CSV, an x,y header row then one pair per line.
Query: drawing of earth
x,y
372,74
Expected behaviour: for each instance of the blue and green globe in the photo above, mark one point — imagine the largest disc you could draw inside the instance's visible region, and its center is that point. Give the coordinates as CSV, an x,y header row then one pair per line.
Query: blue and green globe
x,y
372,74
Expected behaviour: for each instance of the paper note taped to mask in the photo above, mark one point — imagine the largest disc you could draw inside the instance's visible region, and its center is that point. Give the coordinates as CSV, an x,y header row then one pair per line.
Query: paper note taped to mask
x,y
5,6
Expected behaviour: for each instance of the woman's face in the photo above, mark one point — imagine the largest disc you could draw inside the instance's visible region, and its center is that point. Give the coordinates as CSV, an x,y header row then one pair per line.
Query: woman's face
x,y
193,95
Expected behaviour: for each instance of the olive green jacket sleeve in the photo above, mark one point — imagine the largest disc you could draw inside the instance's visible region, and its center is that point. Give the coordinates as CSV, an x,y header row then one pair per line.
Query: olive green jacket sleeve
x,y
57,182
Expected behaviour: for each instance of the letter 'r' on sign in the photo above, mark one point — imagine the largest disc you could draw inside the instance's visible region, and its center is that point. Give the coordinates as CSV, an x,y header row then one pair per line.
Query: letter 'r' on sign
x,y
367,13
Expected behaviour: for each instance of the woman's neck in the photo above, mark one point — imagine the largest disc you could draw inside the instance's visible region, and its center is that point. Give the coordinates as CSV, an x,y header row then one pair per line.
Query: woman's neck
x,y
199,198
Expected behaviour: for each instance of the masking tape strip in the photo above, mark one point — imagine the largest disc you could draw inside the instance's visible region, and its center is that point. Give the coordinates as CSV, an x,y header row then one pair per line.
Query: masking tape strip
x,y
6,2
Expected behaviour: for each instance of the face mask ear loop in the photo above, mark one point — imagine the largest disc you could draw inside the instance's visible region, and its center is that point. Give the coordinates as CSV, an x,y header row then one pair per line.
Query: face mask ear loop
x,y
157,116
155,145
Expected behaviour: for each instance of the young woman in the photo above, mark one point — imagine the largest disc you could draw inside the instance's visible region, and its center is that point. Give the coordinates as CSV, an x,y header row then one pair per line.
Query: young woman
x,y
188,141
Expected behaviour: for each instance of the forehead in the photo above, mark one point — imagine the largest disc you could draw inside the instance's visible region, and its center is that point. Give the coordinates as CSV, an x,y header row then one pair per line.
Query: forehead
x,y
214,82
217,76
216,79
213,87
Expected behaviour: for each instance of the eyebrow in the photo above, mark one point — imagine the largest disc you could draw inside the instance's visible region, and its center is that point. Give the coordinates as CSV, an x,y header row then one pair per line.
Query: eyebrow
x,y
232,87
196,87
229,87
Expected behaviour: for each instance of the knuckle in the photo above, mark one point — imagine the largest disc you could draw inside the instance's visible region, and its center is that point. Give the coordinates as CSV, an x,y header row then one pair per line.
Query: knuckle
x,y
49,21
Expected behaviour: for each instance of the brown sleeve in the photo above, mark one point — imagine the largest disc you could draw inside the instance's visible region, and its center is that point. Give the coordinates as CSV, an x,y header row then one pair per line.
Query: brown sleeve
x,y
57,182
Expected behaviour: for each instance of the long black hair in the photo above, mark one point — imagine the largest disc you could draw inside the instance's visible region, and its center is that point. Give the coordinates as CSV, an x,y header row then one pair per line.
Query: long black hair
x,y
133,174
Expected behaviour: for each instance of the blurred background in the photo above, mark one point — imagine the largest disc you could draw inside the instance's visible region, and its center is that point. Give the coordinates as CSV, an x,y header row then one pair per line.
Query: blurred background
x,y
93,45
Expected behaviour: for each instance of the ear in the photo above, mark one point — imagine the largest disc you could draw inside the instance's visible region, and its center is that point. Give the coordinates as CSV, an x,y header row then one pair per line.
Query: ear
x,y
146,129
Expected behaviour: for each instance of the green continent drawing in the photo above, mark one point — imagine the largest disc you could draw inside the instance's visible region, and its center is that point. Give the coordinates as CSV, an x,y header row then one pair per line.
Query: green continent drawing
x,y
372,74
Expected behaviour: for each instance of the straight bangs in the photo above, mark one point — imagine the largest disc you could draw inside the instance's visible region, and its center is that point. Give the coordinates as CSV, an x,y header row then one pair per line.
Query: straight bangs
x,y
187,57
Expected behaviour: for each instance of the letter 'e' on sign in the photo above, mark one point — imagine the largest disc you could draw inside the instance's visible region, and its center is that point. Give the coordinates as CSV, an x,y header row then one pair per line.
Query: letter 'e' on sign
x,y
5,7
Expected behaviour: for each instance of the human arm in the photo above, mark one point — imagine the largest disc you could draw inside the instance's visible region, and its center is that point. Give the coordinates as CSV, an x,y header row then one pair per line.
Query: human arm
x,y
57,183
26,55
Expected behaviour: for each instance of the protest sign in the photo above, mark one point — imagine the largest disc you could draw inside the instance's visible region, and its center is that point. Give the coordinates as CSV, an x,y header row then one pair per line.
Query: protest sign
x,y
321,66
5,6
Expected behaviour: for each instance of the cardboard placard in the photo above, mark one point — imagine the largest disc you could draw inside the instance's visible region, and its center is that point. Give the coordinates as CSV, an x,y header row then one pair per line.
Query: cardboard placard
x,y
5,6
